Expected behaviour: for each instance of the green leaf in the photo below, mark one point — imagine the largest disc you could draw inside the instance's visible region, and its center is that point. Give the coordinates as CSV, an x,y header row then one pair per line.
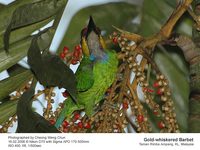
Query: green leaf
x,y
13,83
50,70
24,32
7,110
28,120
105,16
21,33
32,13
15,70
6,15
155,14
5,100
6,12
153,19
17,52
19,49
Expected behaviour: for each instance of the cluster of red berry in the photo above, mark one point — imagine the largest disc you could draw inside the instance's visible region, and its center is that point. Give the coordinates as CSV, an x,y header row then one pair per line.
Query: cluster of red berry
x,y
64,52
71,57
155,85
159,91
160,124
75,125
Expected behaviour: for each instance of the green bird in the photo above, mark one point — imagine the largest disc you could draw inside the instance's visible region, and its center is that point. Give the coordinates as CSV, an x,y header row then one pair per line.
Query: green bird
x,y
95,74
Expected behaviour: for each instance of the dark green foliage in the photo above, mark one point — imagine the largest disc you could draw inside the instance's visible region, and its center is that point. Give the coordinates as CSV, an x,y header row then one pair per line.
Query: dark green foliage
x,y
7,109
28,120
7,85
29,14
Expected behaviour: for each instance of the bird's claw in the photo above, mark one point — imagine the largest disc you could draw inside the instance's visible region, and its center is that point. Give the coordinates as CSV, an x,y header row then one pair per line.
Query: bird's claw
x,y
172,40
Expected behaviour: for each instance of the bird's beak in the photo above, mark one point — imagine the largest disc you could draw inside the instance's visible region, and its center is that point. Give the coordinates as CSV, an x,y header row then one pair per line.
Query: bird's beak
x,y
91,27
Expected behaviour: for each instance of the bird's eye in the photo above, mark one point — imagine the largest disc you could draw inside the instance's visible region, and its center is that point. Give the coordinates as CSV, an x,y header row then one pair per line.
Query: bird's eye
x,y
84,31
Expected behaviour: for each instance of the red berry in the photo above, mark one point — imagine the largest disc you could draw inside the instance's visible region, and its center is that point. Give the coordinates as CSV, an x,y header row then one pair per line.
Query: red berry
x,y
87,125
65,130
77,48
125,105
156,84
65,50
159,92
150,90
74,62
76,54
155,112
80,125
77,116
62,55
65,94
52,121
161,125
140,118
145,89
115,40
65,124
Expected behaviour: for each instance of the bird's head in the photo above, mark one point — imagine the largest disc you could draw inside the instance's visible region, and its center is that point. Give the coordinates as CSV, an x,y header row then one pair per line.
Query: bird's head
x,y
92,42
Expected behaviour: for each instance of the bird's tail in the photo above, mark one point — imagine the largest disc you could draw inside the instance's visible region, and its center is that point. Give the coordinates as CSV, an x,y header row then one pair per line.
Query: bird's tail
x,y
66,112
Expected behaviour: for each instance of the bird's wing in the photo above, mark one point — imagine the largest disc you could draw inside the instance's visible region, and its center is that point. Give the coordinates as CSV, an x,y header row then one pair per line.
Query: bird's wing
x,y
84,75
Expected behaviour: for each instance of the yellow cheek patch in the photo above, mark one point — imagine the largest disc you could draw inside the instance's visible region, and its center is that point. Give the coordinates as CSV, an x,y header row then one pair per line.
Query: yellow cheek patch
x,y
103,44
85,47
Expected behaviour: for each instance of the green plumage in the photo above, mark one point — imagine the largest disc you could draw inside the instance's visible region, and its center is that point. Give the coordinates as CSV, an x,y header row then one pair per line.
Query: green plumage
x,y
85,75
104,73
94,78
